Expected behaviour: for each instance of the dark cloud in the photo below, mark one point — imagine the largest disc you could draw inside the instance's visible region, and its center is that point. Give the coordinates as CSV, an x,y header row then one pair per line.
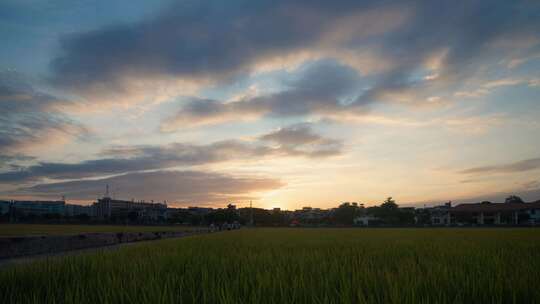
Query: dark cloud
x,y
212,39
520,166
30,117
193,39
10,161
137,158
17,95
293,135
324,87
124,159
173,186
302,140
466,34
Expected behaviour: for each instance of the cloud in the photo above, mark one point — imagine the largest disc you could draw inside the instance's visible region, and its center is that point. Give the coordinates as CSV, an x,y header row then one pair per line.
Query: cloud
x,y
124,159
293,135
520,166
301,140
184,187
437,52
31,118
137,158
472,125
323,87
212,41
533,184
487,87
190,42
534,82
193,40
10,161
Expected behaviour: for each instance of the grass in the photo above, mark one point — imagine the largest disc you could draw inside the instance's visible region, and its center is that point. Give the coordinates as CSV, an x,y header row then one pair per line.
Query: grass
x,y
36,229
295,266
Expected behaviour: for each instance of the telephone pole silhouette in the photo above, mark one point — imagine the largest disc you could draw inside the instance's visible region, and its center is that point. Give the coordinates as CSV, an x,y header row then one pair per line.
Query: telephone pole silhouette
x,y
251,213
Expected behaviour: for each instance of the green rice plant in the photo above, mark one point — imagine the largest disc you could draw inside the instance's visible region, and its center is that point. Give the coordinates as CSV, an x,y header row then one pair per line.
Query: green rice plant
x,y
294,266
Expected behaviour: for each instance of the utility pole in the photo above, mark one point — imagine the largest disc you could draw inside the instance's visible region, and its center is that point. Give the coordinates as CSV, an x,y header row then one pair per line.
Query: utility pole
x,y
251,214
107,199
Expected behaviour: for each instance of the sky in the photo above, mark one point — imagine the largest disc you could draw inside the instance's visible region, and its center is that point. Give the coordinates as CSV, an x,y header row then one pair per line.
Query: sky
x,y
286,103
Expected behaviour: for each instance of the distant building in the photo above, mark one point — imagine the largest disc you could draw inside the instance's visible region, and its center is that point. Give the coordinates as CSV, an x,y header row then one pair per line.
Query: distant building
x,y
289,215
108,208
78,210
199,210
440,215
487,213
4,207
309,214
38,208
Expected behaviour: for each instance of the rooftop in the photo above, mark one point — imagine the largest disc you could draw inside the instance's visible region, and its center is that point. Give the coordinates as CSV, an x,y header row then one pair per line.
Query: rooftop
x,y
495,207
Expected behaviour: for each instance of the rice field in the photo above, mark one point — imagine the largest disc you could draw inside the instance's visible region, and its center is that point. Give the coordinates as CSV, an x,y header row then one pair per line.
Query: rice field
x,y
37,229
294,266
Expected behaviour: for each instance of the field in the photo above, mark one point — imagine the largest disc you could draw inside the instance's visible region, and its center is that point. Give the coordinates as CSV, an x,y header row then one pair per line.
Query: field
x,y
294,266
36,229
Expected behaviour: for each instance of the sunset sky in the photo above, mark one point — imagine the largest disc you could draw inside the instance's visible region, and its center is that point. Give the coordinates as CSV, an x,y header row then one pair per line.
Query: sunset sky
x,y
287,103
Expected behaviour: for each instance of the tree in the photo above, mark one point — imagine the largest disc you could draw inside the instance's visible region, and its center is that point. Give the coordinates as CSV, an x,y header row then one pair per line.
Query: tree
x,y
389,204
513,199
346,213
221,216
388,212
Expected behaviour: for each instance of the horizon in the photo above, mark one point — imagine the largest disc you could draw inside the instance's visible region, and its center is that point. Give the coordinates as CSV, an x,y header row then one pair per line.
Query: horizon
x,y
250,204
283,103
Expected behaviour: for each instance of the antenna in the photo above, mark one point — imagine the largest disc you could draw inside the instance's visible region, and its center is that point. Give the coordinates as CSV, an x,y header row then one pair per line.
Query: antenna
x,y
114,192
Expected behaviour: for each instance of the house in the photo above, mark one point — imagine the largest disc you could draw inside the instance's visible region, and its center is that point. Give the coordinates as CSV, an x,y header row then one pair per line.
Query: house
x,y
309,214
487,213
440,215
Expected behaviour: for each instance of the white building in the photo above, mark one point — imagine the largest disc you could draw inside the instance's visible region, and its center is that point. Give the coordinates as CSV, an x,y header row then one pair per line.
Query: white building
x,y
364,220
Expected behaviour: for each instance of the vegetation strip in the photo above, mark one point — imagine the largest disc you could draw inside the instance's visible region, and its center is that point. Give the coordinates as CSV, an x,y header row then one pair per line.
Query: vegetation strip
x,y
294,266
13,247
